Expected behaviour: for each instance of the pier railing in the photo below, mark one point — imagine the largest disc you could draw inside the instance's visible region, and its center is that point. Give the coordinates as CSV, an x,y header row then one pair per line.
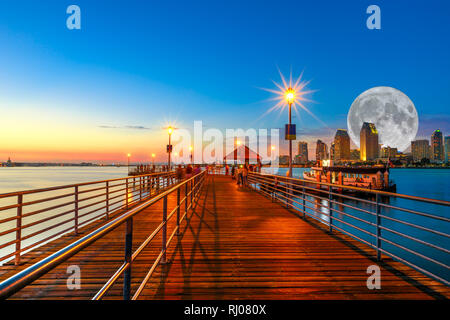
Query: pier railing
x,y
189,188
31,218
400,226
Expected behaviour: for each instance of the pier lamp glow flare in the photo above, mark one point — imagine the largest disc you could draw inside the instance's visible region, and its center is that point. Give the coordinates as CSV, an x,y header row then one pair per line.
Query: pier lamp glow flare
x,y
290,93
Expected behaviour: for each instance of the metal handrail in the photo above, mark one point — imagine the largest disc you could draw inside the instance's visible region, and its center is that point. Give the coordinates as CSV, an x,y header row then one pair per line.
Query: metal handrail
x,y
75,207
282,189
25,277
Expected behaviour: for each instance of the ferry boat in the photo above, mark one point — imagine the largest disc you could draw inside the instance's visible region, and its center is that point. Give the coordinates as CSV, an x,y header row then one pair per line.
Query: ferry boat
x,y
374,178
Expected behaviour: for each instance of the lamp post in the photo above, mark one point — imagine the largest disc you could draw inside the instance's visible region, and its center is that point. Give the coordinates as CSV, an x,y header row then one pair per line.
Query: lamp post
x,y
169,147
128,164
290,97
190,150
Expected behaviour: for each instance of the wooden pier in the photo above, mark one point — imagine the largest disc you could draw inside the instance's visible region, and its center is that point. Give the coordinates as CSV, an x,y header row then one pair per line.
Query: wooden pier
x,y
235,244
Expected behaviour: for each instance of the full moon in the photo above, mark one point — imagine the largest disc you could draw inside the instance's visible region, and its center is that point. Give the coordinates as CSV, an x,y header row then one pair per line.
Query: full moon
x,y
392,112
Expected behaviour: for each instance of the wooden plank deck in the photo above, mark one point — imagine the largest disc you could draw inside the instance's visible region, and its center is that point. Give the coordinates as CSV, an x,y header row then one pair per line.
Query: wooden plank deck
x,y
238,245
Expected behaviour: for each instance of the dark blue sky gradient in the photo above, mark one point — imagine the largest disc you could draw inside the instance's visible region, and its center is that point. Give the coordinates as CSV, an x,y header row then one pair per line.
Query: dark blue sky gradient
x,y
137,62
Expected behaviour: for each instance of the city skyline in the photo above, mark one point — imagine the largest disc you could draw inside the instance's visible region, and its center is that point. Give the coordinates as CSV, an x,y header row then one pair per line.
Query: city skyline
x,y
109,89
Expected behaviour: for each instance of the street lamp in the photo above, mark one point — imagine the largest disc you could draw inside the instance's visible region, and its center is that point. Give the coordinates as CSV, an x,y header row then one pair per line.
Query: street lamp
x,y
169,146
290,98
291,93
153,159
190,150
128,155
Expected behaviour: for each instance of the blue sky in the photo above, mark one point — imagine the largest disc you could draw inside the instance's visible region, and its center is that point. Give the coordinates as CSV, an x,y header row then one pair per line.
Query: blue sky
x,y
144,63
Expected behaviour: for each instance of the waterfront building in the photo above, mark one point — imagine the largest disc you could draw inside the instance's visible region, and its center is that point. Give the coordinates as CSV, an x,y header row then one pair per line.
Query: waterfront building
x,y
302,156
332,153
447,148
354,154
341,145
388,152
420,149
321,150
368,140
437,146
283,160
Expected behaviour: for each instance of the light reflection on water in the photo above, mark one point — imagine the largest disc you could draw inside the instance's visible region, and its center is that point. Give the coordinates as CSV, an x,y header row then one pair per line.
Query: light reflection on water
x,y
429,183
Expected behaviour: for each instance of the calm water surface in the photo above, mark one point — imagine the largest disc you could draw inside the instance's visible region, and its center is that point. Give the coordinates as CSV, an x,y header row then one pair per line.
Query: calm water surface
x,y
26,178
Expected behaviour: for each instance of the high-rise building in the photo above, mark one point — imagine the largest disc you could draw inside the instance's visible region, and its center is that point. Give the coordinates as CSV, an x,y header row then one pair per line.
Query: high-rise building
x,y
302,152
332,153
354,154
437,146
321,150
388,152
420,149
447,148
368,140
341,145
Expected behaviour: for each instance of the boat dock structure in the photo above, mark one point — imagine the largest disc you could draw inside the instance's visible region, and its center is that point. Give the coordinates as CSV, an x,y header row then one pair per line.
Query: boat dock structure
x,y
156,236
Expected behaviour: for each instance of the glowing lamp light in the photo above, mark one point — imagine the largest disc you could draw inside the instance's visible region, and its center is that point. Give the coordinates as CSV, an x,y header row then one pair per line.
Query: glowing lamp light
x,y
129,155
238,142
190,148
153,155
290,95
272,148
170,130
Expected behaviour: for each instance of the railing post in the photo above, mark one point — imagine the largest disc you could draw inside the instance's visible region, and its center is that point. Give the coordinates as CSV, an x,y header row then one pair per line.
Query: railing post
x,y
288,194
330,206
128,254
76,209
186,198
157,184
19,229
304,201
140,188
126,196
164,231
178,211
192,192
378,227
107,200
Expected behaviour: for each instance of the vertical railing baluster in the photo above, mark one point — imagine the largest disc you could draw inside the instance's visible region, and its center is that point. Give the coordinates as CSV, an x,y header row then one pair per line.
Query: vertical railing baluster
x,y
164,230
304,201
128,255
178,211
76,209
19,229
140,188
377,207
192,193
330,206
107,200
186,198
126,195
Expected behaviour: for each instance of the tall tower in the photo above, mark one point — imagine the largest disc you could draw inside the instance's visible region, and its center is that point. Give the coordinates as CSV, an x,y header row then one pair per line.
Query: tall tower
x,y
447,148
321,150
303,151
420,149
341,145
437,146
368,142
